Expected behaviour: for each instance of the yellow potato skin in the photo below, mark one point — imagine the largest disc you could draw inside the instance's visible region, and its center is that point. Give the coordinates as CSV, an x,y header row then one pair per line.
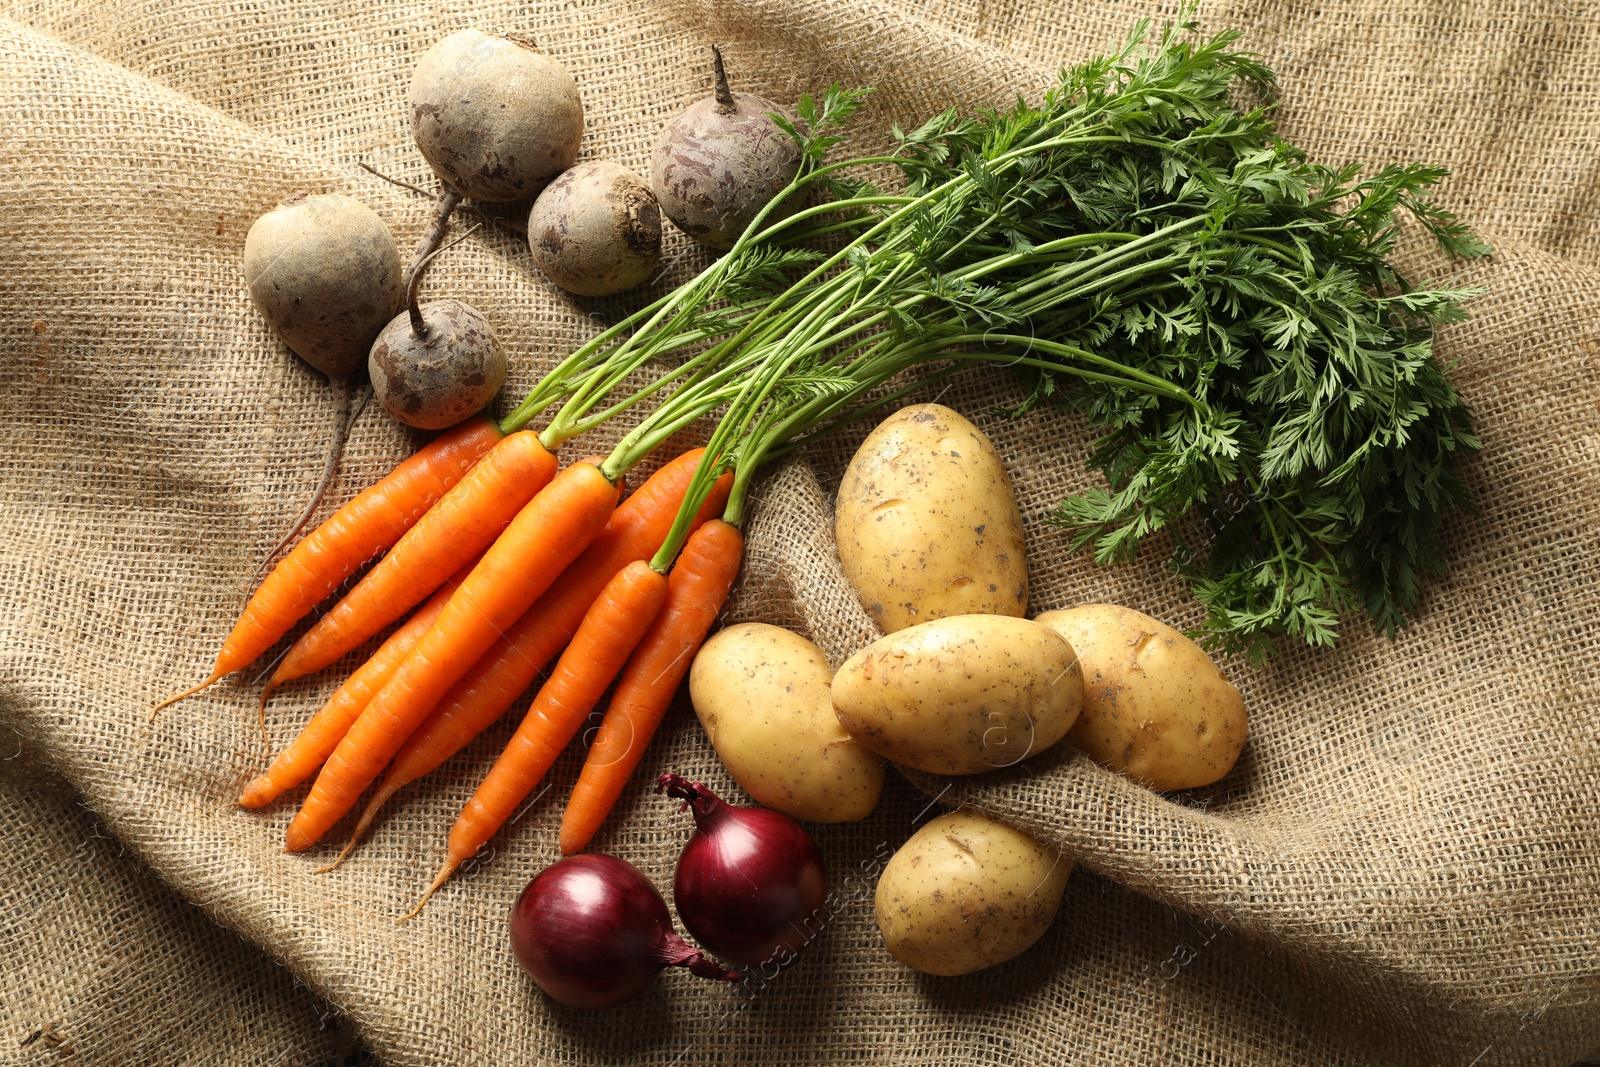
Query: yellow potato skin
x,y
967,892
963,695
762,693
1155,707
927,523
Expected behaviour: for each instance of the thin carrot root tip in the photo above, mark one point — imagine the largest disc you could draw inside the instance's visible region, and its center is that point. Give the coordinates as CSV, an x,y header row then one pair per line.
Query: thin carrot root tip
x,y
358,833
341,856
261,717
191,691
444,874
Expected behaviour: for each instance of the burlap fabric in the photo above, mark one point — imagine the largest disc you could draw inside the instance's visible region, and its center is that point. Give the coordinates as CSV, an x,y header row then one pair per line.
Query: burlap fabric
x,y
100,962
1402,870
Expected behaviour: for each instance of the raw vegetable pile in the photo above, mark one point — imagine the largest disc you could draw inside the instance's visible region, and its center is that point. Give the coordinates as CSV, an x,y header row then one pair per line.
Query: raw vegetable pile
x,y
1138,245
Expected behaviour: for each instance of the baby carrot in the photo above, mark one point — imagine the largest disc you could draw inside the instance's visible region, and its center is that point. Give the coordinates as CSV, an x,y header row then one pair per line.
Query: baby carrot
x,y
457,528
636,530
367,525
610,630
697,589
546,535
328,726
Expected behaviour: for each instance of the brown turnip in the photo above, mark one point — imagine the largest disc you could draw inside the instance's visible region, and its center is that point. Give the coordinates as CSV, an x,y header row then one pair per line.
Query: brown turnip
x,y
325,272
596,230
720,162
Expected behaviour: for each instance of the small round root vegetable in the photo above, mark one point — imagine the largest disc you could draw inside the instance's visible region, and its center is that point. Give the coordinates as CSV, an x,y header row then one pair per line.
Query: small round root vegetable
x,y
438,363
968,892
596,230
494,117
325,272
720,162
442,373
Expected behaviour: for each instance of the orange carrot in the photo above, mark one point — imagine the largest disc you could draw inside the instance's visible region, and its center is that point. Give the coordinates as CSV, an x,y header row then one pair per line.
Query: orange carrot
x,y
546,535
636,530
328,726
461,525
372,522
610,630
697,590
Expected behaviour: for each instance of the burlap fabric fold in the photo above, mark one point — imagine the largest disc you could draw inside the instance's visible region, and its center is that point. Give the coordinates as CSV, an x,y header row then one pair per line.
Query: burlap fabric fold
x,y
1404,868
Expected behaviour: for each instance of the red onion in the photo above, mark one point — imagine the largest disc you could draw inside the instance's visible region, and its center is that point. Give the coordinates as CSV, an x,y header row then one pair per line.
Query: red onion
x,y
594,932
748,880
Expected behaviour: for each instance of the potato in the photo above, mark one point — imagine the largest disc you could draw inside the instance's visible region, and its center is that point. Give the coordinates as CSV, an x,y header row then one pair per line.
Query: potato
x,y
967,892
762,694
962,695
1155,707
927,523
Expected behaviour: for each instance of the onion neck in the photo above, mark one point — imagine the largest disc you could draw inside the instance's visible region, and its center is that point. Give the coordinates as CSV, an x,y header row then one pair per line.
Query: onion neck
x,y
705,804
676,952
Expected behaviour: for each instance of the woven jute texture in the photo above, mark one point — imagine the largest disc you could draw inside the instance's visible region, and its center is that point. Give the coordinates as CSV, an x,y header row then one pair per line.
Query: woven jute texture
x,y
1403,869
100,962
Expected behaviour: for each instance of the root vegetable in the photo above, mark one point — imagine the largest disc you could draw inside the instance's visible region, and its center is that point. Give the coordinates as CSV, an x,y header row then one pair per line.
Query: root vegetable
x,y
494,117
325,272
596,230
365,527
438,363
546,535
720,162
698,587
966,893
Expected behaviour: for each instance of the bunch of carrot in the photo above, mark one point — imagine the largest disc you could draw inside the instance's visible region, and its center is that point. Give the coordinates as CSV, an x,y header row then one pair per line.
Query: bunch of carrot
x,y
515,561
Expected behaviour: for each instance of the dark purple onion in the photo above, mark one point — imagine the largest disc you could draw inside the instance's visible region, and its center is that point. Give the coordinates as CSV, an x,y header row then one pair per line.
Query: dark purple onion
x,y
748,880
594,932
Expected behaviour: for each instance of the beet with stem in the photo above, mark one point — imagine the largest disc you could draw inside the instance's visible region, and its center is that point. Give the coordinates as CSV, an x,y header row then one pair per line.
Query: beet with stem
x,y
437,363
324,271
720,162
